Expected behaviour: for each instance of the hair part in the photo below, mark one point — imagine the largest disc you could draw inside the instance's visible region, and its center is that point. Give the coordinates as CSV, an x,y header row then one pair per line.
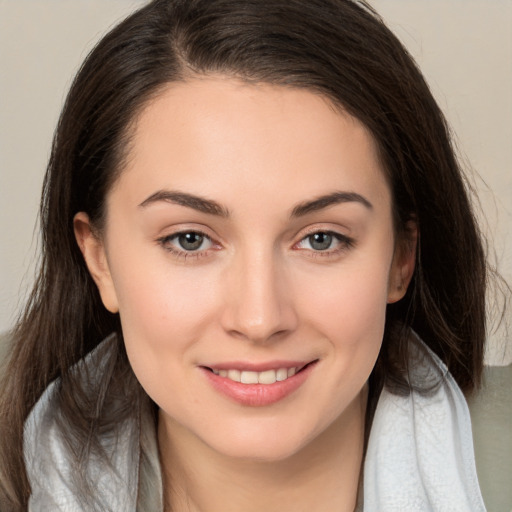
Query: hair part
x,y
340,49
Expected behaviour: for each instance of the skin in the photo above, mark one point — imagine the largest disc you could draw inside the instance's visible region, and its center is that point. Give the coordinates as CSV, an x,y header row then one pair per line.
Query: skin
x,y
258,289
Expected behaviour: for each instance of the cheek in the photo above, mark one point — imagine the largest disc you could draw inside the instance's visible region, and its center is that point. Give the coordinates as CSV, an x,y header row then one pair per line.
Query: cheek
x,y
163,313
349,310
351,304
154,295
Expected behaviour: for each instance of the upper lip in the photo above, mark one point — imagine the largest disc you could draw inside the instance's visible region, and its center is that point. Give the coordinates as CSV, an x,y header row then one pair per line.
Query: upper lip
x,y
251,366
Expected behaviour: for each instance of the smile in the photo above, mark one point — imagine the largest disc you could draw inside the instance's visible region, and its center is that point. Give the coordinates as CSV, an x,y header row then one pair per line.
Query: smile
x,y
258,388
249,377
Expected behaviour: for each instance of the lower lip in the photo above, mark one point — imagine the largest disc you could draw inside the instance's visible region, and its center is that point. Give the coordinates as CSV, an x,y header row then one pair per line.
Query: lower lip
x,y
258,395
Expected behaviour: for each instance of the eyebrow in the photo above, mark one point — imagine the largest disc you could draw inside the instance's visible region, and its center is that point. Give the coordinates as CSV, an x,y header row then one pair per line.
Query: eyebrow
x,y
189,200
211,207
329,200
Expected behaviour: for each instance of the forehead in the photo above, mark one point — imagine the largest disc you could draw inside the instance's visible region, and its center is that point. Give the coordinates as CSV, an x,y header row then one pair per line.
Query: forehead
x,y
225,133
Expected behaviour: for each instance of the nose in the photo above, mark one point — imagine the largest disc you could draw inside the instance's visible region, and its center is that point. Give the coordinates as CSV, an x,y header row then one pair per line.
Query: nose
x,y
258,303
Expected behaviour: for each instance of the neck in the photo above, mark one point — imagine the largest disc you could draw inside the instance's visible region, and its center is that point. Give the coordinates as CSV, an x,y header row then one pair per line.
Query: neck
x,y
323,475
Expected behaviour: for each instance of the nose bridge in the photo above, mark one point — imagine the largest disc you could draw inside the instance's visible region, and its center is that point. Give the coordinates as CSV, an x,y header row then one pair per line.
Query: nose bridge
x,y
258,306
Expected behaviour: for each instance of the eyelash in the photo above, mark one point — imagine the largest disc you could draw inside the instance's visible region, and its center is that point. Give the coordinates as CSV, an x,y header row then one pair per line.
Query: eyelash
x,y
165,242
345,243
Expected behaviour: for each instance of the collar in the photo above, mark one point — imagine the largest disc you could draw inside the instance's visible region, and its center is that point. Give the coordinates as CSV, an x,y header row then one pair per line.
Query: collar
x,y
419,455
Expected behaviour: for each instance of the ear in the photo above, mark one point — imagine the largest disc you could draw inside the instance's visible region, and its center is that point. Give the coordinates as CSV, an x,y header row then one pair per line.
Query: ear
x,y
402,266
93,251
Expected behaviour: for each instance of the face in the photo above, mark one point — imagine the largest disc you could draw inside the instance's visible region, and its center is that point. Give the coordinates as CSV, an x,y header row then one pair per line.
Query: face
x,y
249,238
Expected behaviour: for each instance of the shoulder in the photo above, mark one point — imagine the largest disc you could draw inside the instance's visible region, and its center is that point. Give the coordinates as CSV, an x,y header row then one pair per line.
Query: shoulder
x,y
46,461
420,449
63,469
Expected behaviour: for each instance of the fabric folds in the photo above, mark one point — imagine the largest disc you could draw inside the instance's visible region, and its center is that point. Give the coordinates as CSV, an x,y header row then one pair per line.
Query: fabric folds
x,y
419,457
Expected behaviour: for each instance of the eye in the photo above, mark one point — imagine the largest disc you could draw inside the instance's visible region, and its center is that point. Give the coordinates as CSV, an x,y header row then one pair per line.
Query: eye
x,y
325,241
187,241
191,241
320,241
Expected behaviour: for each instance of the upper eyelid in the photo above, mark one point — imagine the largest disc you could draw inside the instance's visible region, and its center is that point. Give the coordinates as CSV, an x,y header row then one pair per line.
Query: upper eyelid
x,y
333,227
175,235
180,253
299,237
327,231
339,236
170,233
304,233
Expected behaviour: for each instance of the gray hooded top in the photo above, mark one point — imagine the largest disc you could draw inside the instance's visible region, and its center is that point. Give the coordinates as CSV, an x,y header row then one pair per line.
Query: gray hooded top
x,y
419,455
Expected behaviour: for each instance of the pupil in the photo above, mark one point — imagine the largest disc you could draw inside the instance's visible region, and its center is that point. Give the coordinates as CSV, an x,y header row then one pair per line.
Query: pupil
x,y
320,241
190,241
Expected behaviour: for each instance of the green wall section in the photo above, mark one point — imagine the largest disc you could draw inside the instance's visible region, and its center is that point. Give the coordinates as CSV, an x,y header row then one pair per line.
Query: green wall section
x,y
491,415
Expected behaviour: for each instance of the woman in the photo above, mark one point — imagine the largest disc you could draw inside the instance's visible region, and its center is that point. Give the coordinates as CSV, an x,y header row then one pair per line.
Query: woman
x,y
262,282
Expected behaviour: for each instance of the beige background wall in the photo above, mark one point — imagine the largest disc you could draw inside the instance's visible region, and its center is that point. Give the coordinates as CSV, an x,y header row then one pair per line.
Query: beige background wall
x,y
463,46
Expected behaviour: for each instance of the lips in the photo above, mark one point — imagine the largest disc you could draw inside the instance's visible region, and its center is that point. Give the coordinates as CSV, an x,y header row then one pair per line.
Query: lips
x,y
258,385
252,377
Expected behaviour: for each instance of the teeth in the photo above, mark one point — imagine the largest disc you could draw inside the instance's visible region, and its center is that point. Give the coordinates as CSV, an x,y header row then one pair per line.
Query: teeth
x,y
281,374
266,377
234,375
249,377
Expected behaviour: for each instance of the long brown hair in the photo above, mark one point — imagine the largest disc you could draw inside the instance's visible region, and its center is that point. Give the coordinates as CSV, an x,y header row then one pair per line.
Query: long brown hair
x,y
338,48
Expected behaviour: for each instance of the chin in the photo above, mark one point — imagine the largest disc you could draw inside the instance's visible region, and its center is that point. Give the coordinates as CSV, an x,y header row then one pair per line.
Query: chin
x,y
261,442
264,451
